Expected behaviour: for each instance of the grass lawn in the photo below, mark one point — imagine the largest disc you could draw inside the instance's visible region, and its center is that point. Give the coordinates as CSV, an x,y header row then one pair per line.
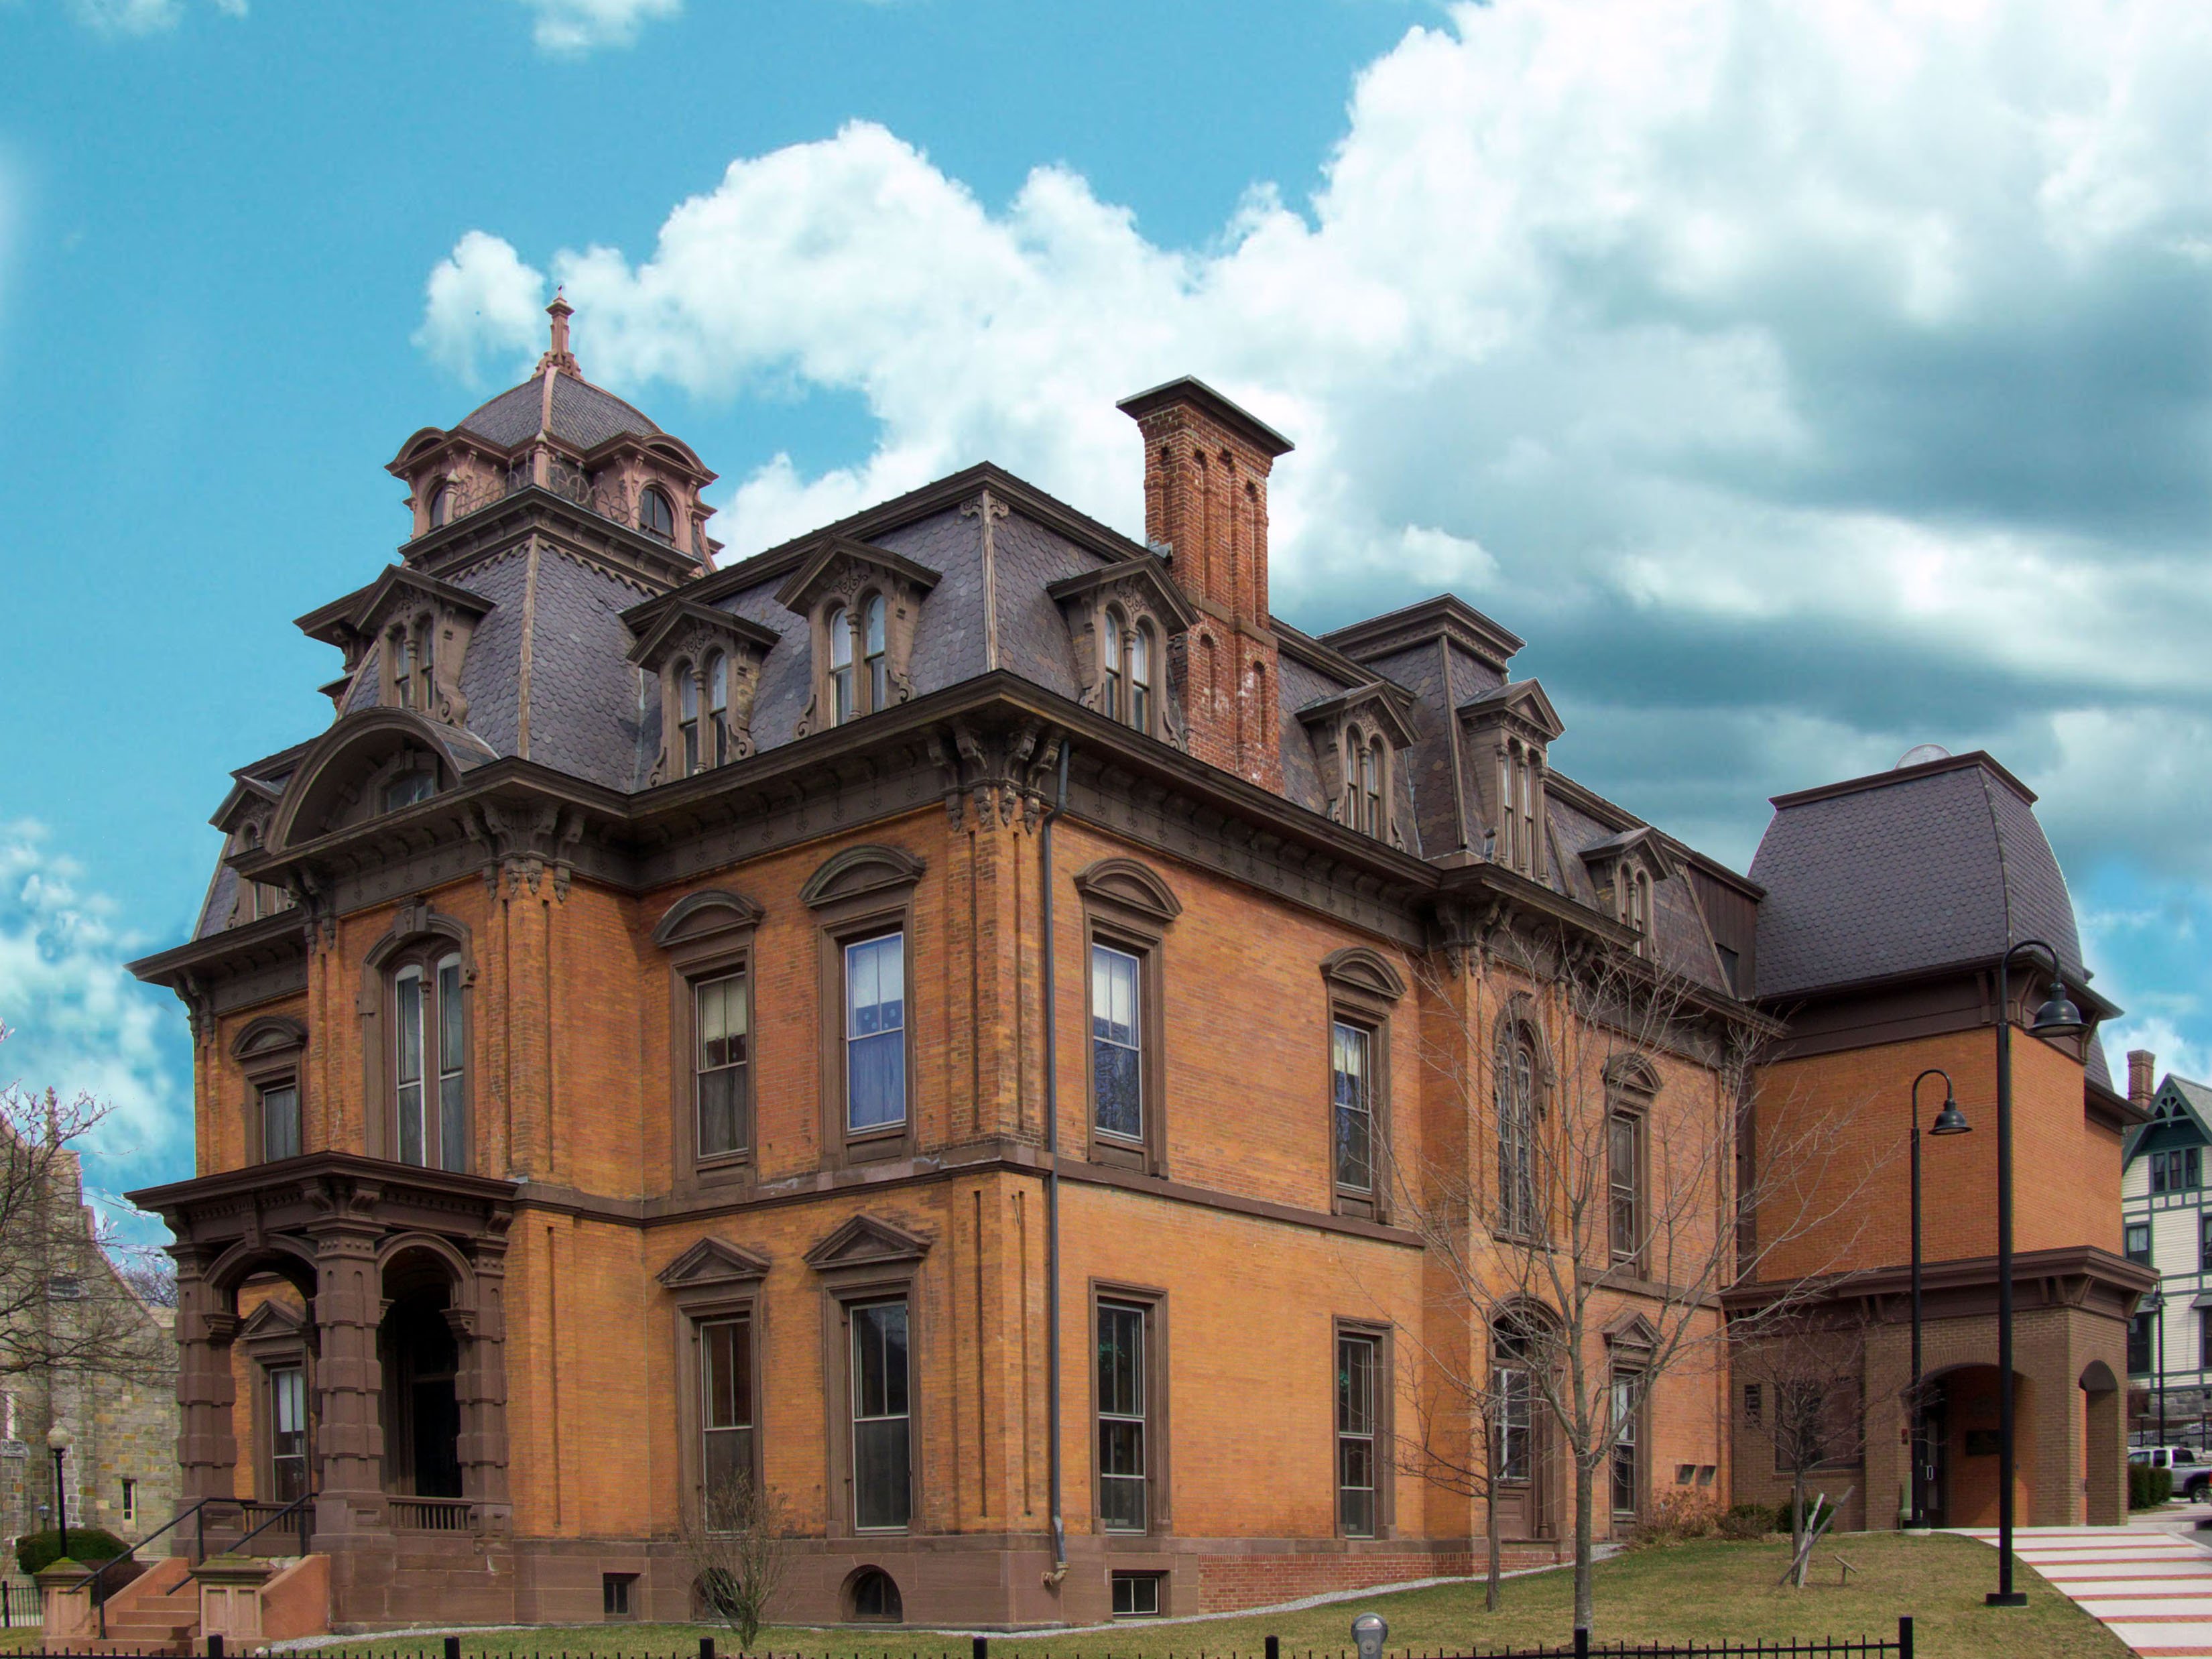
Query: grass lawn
x,y
1701,1591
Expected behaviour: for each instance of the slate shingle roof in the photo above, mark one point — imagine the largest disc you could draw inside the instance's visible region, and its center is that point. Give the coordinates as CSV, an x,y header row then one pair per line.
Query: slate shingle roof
x,y
582,414
1916,869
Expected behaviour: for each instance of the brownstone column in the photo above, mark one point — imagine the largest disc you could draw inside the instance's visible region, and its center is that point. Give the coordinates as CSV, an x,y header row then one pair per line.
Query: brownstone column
x,y
480,1387
207,1449
348,1379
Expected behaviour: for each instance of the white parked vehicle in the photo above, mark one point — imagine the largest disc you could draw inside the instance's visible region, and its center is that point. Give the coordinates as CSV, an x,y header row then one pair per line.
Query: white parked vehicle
x,y
2192,1472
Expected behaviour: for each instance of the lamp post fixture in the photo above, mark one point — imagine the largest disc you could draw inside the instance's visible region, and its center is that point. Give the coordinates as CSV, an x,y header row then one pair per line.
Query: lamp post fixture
x,y
59,1441
1949,1121
2057,1016
2154,1305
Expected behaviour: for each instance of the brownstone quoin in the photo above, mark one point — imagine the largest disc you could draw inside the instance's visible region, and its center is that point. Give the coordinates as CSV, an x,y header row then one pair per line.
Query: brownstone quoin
x,y
622,1043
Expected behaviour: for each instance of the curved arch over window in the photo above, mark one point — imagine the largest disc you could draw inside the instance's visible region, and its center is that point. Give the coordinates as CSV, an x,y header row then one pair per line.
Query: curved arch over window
x,y
656,515
873,1597
840,625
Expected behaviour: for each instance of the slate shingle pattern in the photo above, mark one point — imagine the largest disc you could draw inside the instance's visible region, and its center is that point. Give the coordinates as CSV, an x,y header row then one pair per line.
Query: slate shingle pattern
x,y
583,415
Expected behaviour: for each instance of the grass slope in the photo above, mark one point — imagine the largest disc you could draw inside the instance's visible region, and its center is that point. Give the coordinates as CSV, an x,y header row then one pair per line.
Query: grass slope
x,y
1707,1592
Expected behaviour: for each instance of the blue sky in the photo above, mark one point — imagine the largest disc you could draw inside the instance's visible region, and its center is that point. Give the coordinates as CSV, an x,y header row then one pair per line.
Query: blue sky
x,y
1803,384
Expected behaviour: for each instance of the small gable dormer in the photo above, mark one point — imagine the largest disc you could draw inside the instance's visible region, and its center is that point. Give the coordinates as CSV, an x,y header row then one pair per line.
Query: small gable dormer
x,y
861,604
411,632
1360,738
244,818
1124,620
1509,731
1625,870
708,666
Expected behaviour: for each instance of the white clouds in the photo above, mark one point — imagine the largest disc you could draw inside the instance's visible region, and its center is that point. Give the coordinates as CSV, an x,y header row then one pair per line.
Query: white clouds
x,y
572,28
1873,336
482,300
130,17
76,1019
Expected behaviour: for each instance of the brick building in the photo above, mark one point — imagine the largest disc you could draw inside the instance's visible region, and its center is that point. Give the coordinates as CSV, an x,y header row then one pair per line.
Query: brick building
x,y
643,1042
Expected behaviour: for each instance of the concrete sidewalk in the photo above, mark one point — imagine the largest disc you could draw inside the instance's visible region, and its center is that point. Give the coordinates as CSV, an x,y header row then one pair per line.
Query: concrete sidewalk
x,y
2149,1582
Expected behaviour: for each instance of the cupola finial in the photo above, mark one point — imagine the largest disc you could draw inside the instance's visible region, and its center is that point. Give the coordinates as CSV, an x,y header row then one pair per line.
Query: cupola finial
x,y
559,357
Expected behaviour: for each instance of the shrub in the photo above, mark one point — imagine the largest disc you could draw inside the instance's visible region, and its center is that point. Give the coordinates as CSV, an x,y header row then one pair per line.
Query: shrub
x,y
2148,1488
1746,1523
1674,1517
36,1550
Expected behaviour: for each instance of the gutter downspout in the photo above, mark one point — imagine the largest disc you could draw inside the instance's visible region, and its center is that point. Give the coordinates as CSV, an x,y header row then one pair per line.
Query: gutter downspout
x,y
1052,1197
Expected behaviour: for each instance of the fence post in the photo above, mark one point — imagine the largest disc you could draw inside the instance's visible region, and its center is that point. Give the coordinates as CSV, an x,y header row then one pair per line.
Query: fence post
x,y
1905,1635
1274,1647
706,1647
453,1647
214,1647
981,1648
1582,1642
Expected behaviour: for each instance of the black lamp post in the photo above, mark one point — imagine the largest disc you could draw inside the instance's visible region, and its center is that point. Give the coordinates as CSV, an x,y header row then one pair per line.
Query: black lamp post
x,y
1949,1121
2056,1018
2154,1306
59,1441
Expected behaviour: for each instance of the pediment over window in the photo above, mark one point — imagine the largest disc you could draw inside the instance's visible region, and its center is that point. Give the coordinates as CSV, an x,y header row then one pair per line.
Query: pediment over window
x,y
700,914
862,605
1360,737
1131,885
842,566
1633,1074
1122,619
709,664
1356,968
712,1264
864,1241
859,870
1624,869
1630,1330
272,1034
421,626
272,1318
1522,705
1509,730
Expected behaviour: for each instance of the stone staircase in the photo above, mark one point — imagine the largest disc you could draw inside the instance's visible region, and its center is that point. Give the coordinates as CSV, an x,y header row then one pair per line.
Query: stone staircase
x,y
158,1612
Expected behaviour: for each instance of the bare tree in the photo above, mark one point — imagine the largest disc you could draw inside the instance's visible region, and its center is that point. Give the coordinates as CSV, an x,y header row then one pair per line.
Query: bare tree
x,y
738,1545
1810,1371
1584,1214
63,1306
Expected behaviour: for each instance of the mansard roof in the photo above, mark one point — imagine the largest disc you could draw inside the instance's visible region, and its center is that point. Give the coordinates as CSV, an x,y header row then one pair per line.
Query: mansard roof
x,y
565,406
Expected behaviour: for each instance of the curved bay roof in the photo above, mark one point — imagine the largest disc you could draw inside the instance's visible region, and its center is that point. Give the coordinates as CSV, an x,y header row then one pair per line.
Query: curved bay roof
x,y
1925,867
581,414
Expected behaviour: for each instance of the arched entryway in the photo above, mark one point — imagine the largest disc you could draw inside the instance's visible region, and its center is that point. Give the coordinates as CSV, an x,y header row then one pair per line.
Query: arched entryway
x,y
2104,1478
423,1349
1963,1421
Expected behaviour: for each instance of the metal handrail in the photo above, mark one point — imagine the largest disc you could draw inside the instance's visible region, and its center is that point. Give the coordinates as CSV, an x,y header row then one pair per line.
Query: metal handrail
x,y
299,1503
93,1585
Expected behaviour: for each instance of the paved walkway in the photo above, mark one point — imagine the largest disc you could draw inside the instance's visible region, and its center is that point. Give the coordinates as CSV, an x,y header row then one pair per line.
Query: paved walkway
x,y
2149,1582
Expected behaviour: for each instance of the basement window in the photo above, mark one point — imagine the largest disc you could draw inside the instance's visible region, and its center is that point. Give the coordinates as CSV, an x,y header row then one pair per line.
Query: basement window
x,y
615,1594
1137,1595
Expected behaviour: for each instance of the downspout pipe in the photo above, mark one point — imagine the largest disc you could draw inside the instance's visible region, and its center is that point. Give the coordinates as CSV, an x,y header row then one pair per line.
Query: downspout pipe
x,y
1052,1190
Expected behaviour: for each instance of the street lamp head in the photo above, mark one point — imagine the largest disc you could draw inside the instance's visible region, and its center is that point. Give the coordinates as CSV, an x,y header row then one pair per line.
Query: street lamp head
x,y
2153,1302
58,1438
2057,1016
1950,1120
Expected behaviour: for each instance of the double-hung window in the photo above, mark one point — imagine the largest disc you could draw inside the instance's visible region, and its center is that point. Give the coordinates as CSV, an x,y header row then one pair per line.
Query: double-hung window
x,y
875,1033
287,1433
1351,1079
429,1065
882,1455
1516,1134
1627,1467
1625,1185
2136,1236
1358,1370
725,1416
2203,1242
1117,1042
1122,1419
720,1019
280,1122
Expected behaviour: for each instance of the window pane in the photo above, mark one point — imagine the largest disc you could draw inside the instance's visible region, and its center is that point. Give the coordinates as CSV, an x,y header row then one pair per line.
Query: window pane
x,y
841,640
449,1015
1354,1102
452,1124
720,1019
287,1433
726,1360
1122,1416
1115,1051
875,1031
1355,1385
407,996
280,1123
1120,1359
880,1466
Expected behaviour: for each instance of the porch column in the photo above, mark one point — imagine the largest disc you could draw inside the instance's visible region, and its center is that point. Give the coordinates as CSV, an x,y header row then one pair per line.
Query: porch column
x,y
207,1449
480,1387
348,1379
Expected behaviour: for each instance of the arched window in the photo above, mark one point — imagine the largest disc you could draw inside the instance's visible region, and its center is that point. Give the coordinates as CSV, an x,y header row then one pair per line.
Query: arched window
x,y
402,647
879,664
1516,1131
655,516
840,666
687,715
429,1064
1513,1396
718,709
876,1598
1140,676
1109,649
426,668
1370,788
441,506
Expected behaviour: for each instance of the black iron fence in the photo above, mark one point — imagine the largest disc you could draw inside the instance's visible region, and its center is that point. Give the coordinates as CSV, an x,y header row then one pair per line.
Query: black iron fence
x,y
1581,1647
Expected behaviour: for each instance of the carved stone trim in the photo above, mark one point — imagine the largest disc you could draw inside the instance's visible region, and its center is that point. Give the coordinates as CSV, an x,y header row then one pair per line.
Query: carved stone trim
x,y
1356,968
710,910
866,1240
1129,885
858,870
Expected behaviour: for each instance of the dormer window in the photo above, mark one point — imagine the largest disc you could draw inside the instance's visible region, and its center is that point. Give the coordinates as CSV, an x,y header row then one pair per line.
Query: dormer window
x,y
863,602
409,787
708,666
656,515
840,625
687,719
879,662
718,708
1125,660
1140,678
403,668
441,506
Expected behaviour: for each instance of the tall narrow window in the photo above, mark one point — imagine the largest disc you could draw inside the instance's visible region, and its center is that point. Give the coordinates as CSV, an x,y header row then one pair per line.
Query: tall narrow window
x,y
2203,1248
1121,1505
287,1433
1140,676
426,662
717,744
1627,1469
2137,1242
873,646
130,1503
441,506
726,1415
875,1032
1625,1184
1528,860
407,1073
280,1122
1513,1401
429,1066
1516,1134
1352,1069
1371,787
1116,1046
840,666
656,515
1109,650
403,668
2139,1345
881,1469
721,1019
687,715
1357,1370
452,1124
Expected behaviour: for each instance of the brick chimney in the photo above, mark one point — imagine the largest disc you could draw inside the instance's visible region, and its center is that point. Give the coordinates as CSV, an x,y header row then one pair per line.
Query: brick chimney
x,y
2141,1064
1205,500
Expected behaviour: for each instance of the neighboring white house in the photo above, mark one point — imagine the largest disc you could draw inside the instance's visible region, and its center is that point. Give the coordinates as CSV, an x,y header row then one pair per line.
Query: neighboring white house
x,y
2166,1212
